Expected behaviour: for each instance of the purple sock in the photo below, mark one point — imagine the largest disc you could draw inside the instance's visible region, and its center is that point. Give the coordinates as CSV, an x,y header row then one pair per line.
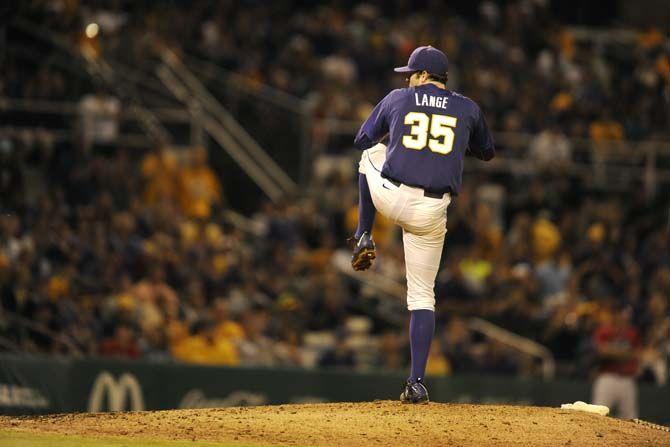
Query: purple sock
x,y
366,209
421,328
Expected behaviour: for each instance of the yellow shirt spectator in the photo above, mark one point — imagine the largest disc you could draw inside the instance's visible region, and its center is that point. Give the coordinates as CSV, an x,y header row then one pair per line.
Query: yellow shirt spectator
x,y
229,330
652,37
159,170
566,42
199,187
382,231
58,287
561,102
546,239
205,350
437,365
663,66
606,130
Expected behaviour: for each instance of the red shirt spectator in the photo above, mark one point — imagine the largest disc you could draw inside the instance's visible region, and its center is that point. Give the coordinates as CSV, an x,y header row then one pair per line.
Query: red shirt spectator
x,y
617,345
121,344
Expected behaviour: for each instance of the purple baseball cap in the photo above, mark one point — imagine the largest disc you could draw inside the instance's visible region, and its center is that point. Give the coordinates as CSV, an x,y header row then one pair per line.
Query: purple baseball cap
x,y
426,58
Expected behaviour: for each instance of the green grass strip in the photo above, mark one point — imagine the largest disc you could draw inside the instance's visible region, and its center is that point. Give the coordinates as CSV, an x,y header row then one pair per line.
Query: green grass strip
x,y
23,439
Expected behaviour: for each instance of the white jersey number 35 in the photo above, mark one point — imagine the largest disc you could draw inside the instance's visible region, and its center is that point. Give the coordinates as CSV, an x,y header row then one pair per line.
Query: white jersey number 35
x,y
441,131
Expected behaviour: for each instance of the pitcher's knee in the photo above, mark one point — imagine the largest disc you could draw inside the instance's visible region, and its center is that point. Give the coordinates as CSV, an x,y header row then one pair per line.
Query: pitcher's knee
x,y
422,301
438,231
361,163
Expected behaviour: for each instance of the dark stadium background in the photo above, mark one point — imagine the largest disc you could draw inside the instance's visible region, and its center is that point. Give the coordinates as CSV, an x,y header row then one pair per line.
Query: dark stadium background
x,y
143,239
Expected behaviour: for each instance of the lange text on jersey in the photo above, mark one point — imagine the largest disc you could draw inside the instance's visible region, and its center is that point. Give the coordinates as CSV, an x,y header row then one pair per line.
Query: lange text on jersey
x,y
424,100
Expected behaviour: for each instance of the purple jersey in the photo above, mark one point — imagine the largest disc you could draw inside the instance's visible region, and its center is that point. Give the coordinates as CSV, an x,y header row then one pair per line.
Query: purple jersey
x,y
430,130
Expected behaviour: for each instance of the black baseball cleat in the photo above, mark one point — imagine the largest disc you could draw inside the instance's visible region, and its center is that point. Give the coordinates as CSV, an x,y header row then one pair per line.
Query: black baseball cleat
x,y
415,392
363,252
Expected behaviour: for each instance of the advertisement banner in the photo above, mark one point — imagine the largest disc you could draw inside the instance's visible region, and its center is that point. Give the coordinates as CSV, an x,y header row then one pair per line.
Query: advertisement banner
x,y
38,385
34,385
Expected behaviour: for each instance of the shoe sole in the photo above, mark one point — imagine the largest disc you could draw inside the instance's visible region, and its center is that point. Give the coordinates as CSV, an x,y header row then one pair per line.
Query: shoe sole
x,y
364,259
423,402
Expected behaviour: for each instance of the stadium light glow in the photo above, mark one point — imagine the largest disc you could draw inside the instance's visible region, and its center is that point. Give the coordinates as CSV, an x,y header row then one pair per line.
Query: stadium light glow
x,y
92,30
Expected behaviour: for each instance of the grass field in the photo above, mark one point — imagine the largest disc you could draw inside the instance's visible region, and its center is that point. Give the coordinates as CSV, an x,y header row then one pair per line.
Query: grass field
x,y
18,439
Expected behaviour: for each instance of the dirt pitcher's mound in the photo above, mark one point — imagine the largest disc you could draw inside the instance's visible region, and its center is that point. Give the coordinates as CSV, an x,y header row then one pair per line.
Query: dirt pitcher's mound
x,y
380,423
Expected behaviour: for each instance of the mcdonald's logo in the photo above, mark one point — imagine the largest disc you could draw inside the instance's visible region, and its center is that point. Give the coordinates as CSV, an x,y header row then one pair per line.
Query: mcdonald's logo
x,y
118,393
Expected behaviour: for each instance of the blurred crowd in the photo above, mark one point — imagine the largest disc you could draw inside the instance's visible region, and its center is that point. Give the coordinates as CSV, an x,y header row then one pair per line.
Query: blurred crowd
x,y
106,251
525,68
521,66
126,254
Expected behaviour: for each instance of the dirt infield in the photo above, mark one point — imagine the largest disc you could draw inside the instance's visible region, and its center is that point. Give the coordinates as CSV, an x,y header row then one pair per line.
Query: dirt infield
x,y
380,423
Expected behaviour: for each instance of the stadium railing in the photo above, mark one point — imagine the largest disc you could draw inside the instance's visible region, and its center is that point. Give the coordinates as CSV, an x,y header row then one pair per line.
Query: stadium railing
x,y
396,294
624,162
69,110
220,123
621,164
263,110
8,345
24,324
517,342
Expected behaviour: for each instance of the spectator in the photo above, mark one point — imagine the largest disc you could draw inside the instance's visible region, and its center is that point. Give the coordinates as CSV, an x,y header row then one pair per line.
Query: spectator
x,y
339,356
99,114
154,345
617,345
121,344
391,353
199,188
256,348
607,135
437,365
459,348
550,149
159,171
204,346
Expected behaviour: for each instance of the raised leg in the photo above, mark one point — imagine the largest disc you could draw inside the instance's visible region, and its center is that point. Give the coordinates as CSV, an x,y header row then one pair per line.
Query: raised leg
x,y
366,208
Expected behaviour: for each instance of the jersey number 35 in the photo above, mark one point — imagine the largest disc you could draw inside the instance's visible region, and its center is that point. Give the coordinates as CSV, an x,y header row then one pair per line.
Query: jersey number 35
x,y
441,132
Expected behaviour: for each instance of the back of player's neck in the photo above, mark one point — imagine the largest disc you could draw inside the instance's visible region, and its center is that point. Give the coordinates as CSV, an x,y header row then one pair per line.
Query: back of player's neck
x,y
436,84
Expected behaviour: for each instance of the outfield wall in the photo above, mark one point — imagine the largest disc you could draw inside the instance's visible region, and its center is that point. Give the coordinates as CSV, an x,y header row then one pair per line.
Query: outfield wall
x,y
39,385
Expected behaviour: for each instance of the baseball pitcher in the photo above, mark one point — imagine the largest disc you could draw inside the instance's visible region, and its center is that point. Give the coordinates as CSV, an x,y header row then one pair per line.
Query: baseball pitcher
x,y
412,181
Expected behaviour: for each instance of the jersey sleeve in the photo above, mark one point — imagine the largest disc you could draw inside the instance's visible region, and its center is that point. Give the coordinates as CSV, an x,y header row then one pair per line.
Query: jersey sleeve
x,y
375,127
481,140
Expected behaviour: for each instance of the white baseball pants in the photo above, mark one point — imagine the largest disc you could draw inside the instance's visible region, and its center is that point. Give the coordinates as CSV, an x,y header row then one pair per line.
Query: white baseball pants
x,y
423,221
615,390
